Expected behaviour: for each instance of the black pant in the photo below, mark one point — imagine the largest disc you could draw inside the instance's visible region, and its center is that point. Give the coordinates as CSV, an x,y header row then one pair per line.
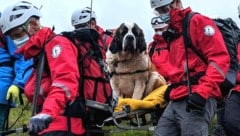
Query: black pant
x,y
232,115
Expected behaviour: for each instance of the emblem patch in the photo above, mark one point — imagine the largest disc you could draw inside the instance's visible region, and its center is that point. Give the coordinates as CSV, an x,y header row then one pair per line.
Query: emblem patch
x,y
209,30
57,49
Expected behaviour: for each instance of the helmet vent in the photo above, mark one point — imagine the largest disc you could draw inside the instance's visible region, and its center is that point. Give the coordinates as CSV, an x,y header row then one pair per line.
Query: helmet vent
x,y
86,11
20,7
81,17
13,17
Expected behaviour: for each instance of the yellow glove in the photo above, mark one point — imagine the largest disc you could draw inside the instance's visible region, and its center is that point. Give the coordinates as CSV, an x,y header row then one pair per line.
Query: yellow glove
x,y
13,91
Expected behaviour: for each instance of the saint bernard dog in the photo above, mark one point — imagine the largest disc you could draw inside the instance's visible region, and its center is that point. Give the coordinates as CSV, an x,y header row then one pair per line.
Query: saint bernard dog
x,y
132,73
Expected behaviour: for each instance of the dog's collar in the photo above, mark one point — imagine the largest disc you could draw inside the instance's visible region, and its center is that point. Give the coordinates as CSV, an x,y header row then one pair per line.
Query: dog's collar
x,y
127,73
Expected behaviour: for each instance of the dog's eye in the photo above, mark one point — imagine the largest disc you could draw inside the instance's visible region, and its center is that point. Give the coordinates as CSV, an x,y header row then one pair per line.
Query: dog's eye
x,y
124,30
135,31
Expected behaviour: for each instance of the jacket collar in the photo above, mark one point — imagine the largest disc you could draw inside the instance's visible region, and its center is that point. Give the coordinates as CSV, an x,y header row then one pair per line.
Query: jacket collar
x,y
36,43
177,16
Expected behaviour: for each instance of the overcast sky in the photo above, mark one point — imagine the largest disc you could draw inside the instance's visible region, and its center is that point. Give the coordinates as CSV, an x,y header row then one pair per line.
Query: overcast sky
x,y
111,13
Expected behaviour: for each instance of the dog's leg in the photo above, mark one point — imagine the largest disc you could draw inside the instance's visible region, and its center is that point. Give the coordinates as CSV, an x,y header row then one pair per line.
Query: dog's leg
x,y
114,86
139,89
155,81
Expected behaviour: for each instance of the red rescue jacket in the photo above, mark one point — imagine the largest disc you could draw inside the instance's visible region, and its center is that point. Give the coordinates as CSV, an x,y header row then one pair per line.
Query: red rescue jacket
x,y
160,56
61,86
211,45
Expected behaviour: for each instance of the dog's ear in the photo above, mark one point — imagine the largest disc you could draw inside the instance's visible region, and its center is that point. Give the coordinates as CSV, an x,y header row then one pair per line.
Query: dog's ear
x,y
114,48
115,45
141,41
143,46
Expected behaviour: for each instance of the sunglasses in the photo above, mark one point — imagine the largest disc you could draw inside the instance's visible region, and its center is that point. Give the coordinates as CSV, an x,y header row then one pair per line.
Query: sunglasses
x,y
156,21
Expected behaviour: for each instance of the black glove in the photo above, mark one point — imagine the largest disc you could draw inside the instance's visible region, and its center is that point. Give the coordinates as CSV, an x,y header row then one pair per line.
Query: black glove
x,y
167,94
195,102
39,122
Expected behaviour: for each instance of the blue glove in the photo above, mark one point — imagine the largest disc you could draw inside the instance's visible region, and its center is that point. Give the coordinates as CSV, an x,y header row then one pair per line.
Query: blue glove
x,y
39,122
195,102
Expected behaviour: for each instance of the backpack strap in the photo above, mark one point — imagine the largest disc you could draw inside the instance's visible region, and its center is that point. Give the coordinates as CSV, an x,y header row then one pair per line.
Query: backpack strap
x,y
41,63
154,44
187,37
40,68
188,44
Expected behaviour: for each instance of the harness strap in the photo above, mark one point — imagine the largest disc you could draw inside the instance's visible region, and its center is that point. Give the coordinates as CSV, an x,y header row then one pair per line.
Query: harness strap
x,y
193,80
97,79
151,52
126,73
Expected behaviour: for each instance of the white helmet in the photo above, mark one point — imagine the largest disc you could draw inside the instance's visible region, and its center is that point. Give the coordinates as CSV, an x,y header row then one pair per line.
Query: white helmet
x,y
82,16
159,3
17,14
158,23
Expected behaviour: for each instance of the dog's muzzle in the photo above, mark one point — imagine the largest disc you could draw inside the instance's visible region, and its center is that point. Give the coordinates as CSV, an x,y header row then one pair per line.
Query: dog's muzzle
x,y
129,42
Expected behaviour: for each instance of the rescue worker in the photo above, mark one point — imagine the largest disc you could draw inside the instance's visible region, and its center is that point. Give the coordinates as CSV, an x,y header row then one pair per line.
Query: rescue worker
x,y
158,50
190,112
86,18
232,106
14,72
21,22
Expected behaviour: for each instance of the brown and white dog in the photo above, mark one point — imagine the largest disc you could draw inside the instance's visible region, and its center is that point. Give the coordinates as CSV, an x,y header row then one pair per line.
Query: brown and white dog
x,y
132,73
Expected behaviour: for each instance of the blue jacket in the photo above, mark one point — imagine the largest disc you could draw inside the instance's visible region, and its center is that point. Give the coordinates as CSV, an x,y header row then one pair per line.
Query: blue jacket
x,y
17,73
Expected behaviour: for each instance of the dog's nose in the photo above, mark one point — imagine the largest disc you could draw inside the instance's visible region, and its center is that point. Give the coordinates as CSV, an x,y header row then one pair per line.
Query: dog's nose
x,y
130,38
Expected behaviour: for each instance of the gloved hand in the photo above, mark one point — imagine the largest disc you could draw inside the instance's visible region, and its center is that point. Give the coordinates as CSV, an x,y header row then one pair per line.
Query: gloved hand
x,y
195,102
167,94
39,122
13,92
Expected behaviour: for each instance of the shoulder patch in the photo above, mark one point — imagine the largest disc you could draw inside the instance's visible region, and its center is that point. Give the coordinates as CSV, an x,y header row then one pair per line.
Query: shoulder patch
x,y
56,50
209,30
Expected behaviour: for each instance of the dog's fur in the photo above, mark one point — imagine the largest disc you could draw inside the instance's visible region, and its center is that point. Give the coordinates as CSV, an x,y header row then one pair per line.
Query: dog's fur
x,y
132,73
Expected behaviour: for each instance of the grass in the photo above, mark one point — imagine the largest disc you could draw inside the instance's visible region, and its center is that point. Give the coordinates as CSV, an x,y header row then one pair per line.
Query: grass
x,y
19,116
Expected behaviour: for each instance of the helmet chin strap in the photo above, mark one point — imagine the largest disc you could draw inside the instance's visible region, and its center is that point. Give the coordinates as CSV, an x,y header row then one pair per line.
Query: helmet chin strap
x,y
25,29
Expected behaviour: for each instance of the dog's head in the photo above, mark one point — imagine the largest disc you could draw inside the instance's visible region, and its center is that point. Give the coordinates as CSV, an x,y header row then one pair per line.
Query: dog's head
x,y
129,37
